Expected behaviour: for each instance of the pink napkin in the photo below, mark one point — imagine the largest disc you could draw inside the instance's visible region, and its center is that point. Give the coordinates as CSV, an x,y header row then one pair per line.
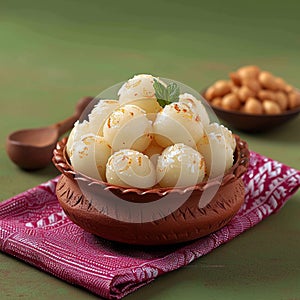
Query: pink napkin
x,y
34,228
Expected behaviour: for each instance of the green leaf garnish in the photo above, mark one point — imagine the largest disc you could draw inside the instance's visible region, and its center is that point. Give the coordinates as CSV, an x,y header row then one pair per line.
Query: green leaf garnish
x,y
166,95
173,90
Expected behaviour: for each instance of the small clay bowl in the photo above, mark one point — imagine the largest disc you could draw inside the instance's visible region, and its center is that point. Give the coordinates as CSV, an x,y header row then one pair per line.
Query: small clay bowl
x,y
254,123
105,210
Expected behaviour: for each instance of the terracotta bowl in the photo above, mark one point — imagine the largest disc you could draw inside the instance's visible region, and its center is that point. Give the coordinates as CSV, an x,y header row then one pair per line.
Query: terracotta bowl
x,y
163,215
254,123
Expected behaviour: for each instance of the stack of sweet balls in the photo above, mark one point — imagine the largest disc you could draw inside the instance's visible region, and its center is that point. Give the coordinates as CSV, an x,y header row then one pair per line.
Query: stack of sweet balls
x,y
152,136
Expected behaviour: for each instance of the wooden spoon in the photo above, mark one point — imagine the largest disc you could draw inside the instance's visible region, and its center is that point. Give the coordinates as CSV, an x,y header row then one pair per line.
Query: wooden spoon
x,y
33,148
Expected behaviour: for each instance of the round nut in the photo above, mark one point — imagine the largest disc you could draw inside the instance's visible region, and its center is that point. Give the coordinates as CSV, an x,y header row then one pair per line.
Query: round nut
x,y
266,94
244,93
267,80
222,87
252,84
235,78
209,93
234,89
282,100
248,72
231,102
217,102
271,108
281,84
253,106
294,100
288,88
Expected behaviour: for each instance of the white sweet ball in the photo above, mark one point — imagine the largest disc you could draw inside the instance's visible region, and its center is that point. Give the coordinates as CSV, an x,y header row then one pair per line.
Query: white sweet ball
x,y
100,113
128,127
196,106
138,87
177,123
90,155
130,168
75,135
217,153
180,165
149,105
221,129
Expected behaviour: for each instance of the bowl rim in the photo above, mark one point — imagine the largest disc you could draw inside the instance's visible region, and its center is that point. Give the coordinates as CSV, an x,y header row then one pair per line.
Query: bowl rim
x,y
242,155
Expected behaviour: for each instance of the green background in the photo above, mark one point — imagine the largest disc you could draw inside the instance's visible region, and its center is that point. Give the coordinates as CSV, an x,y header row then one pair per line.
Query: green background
x,y
53,53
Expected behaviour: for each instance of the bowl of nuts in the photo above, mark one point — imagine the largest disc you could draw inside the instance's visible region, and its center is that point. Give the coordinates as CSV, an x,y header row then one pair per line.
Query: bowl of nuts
x,y
253,99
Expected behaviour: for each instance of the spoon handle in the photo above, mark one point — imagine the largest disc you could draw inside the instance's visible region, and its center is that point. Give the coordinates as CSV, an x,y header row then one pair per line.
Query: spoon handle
x,y
67,124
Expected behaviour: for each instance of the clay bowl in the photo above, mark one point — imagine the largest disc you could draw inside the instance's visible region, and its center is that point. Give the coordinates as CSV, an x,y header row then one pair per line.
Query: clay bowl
x,y
155,216
254,123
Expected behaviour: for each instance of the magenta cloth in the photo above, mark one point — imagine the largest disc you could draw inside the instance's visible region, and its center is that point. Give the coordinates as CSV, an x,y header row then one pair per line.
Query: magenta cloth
x,y
34,228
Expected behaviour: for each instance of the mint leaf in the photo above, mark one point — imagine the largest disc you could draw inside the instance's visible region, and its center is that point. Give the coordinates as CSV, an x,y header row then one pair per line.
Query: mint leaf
x,y
166,95
160,90
163,103
173,91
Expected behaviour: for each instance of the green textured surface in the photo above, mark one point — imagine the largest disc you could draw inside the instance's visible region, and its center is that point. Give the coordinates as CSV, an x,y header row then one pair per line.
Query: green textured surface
x,y
52,53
